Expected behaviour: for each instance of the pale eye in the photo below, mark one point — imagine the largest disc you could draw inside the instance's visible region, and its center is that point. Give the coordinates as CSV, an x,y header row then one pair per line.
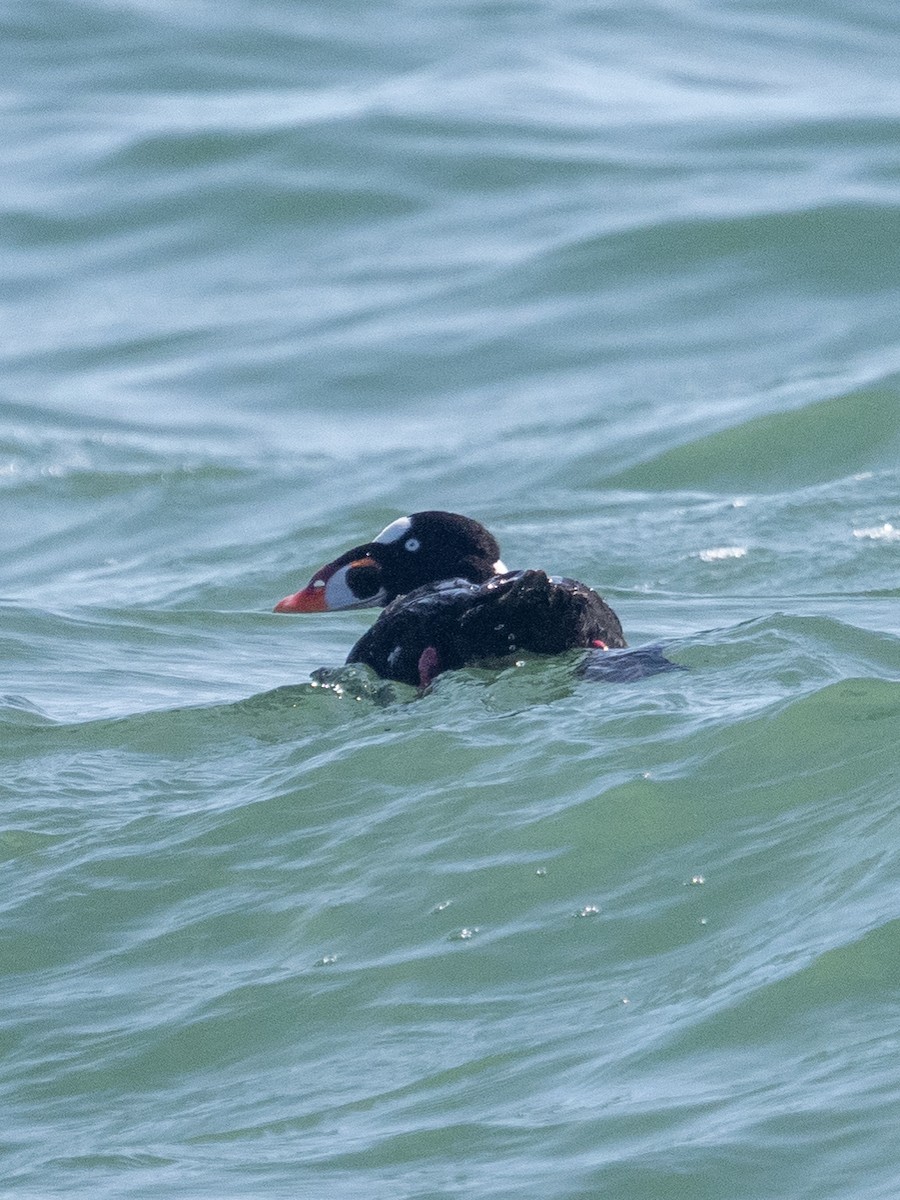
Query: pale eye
x,y
411,544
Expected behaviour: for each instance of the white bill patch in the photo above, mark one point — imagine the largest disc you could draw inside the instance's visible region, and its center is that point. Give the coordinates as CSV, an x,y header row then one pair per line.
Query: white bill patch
x,y
500,568
338,594
395,531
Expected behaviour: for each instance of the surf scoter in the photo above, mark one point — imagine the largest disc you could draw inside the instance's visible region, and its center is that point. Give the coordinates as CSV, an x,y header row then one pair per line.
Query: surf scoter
x,y
450,602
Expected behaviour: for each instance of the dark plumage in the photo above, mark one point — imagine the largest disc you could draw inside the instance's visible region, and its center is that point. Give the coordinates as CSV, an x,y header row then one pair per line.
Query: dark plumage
x,y
451,603
455,623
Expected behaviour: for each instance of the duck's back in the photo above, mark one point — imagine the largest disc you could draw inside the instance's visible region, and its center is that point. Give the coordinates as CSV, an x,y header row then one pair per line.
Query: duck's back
x,y
456,623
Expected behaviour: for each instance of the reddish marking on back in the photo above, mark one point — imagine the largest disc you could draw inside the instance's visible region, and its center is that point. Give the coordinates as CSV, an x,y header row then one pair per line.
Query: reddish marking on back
x,y
429,666
598,645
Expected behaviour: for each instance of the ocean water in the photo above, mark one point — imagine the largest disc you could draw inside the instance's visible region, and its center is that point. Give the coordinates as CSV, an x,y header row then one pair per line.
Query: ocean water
x,y
621,281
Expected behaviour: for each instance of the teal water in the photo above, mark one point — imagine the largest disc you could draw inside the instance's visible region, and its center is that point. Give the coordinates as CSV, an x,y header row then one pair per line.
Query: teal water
x,y
621,282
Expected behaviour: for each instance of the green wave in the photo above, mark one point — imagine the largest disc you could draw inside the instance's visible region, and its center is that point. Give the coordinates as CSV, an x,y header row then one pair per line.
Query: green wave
x,y
820,441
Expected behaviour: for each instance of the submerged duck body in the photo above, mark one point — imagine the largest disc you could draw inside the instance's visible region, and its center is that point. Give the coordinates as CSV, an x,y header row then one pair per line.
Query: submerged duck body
x,y
450,602
455,623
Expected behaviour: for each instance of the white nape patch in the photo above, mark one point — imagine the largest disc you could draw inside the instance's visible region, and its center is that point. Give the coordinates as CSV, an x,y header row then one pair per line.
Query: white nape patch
x,y
394,532
500,567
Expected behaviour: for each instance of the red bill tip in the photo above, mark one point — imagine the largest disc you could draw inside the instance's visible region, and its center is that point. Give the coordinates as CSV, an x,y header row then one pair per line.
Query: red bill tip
x,y
310,599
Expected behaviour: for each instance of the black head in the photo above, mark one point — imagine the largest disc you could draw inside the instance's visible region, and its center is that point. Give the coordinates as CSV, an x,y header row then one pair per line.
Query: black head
x,y
424,547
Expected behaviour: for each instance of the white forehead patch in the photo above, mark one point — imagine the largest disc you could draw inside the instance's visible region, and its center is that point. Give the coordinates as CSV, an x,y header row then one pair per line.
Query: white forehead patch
x,y
500,568
395,531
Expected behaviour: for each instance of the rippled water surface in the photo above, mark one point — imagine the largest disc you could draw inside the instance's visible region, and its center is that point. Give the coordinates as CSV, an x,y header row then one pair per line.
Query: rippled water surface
x,y
623,283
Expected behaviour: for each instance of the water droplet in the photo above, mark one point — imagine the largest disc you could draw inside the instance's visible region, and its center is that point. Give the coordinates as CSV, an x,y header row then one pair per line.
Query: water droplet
x,y
589,910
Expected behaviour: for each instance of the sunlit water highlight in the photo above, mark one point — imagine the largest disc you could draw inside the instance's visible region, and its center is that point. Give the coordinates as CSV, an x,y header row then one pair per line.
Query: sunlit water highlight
x,y
621,283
